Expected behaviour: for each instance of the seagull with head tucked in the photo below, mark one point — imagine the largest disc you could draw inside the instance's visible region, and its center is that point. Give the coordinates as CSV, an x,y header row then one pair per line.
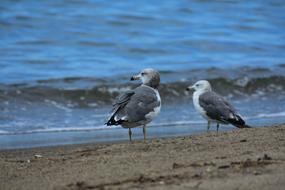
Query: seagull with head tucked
x,y
139,106
213,107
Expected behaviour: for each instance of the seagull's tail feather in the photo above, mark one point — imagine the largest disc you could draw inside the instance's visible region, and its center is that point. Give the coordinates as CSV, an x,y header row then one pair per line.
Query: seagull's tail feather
x,y
112,121
238,122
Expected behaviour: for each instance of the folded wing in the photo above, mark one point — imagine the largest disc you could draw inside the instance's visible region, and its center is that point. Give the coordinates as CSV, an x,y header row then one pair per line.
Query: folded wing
x,y
133,106
217,108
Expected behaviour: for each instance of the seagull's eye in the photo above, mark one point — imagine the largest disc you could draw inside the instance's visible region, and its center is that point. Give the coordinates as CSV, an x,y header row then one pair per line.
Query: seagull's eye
x,y
197,85
143,74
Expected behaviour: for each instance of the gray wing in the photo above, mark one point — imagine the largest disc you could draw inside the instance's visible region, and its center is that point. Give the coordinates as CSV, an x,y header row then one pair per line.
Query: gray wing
x,y
216,107
141,103
123,99
118,107
132,106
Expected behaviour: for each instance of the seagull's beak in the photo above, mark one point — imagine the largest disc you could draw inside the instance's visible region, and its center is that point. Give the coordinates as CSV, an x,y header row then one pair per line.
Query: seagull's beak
x,y
190,88
136,77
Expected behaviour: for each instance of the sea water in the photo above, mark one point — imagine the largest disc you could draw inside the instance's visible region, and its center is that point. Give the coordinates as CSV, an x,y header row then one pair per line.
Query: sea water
x,y
62,63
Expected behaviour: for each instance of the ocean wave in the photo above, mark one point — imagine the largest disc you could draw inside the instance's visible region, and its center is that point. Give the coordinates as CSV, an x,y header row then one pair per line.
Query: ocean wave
x,y
268,115
58,129
104,127
92,128
177,123
103,94
4,132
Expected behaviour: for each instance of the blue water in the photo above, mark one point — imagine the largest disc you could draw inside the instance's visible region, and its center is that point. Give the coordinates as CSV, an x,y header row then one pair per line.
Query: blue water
x,y
57,39
62,61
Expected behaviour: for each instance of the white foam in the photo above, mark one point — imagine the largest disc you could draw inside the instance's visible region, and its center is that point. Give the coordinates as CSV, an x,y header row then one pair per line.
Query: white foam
x,y
177,123
57,105
278,114
72,129
59,129
3,132
114,89
267,115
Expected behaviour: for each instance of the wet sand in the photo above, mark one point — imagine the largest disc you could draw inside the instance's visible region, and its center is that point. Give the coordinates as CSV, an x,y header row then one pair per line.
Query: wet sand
x,y
238,159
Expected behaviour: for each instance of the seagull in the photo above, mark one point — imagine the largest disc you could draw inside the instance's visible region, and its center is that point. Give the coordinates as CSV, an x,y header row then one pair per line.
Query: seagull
x,y
213,107
139,106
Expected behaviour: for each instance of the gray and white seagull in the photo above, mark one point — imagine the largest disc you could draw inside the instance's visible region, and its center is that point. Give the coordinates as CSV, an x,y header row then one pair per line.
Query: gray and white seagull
x,y
139,106
213,107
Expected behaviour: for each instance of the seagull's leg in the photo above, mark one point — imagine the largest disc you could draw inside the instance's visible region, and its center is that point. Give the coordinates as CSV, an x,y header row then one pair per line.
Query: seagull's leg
x,y
144,133
208,127
130,134
218,125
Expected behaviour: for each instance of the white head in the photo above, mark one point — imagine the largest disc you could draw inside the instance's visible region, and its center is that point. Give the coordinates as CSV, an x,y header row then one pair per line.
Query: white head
x,y
148,77
201,85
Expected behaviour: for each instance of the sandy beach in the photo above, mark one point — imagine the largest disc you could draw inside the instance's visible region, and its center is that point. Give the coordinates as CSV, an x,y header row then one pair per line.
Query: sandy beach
x,y
239,159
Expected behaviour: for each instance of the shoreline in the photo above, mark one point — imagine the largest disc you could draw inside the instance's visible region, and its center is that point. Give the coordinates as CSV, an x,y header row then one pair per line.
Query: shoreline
x,y
247,158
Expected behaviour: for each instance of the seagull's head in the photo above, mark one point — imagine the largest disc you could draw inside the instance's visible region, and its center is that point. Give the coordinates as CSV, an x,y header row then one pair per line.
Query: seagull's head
x,y
201,85
149,77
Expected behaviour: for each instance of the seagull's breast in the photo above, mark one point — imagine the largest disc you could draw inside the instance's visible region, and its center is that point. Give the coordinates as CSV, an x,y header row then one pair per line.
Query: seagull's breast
x,y
197,106
151,115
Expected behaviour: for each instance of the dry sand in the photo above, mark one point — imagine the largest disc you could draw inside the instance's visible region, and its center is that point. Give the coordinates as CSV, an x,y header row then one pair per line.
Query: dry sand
x,y
239,159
